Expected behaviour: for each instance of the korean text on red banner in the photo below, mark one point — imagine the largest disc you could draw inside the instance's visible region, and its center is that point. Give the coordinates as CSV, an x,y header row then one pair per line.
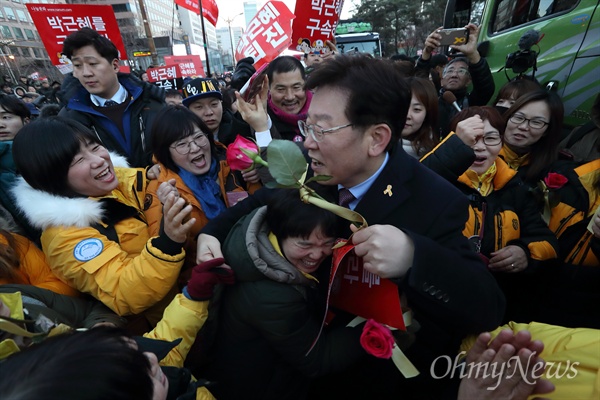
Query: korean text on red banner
x,y
167,77
190,65
267,35
55,22
315,24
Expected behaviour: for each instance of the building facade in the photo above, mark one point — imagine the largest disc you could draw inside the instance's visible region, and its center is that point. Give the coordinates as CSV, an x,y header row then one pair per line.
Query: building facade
x,y
21,49
250,9
225,37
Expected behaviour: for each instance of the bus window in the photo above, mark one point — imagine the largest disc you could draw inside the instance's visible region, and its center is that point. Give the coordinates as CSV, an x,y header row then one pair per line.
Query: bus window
x,y
463,12
511,13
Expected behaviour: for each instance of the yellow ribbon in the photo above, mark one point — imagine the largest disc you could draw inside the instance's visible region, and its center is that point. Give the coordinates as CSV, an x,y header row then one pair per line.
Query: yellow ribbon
x,y
547,213
310,197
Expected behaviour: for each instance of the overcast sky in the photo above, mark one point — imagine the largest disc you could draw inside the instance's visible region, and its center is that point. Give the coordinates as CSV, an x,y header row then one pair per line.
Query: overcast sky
x,y
230,8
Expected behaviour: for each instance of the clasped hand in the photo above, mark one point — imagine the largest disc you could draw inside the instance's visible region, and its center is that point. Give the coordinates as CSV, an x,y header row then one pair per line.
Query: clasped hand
x,y
175,213
386,250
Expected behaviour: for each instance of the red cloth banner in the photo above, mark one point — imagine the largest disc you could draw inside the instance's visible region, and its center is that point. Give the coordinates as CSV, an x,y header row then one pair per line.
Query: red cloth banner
x,y
190,65
55,22
192,5
315,24
267,35
210,11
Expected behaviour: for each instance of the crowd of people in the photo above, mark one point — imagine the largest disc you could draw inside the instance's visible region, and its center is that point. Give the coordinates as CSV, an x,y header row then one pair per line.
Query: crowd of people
x,y
35,93
137,261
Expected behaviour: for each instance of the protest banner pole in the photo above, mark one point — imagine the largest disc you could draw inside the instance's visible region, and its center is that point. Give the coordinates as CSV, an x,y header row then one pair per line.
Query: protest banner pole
x,y
204,39
148,31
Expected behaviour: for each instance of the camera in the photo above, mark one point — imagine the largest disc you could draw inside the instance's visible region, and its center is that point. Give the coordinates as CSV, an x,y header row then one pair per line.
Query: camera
x,y
520,61
525,58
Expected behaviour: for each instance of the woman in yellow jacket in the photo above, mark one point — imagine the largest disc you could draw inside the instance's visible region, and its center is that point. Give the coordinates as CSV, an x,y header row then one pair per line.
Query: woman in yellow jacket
x,y
195,165
95,236
533,129
503,225
574,192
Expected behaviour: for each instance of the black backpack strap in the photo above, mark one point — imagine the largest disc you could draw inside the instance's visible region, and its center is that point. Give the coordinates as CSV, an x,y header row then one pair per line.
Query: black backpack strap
x,y
115,212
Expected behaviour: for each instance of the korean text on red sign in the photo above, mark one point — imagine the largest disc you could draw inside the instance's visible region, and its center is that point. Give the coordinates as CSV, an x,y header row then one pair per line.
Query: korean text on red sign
x,y
315,23
190,65
55,22
163,73
267,34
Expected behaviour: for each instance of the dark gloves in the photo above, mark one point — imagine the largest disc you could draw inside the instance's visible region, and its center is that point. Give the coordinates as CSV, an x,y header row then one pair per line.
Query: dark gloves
x,y
205,276
244,69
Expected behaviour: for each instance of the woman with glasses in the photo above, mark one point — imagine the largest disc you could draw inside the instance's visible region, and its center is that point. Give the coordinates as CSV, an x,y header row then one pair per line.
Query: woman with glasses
x,y
269,344
504,225
533,129
195,166
94,233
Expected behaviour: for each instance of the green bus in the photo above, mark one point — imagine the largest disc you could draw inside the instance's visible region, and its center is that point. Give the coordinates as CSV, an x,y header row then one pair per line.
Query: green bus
x,y
357,38
568,53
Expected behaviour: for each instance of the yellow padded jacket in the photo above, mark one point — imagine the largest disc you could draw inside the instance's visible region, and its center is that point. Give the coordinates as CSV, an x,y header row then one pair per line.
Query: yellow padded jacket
x,y
579,200
102,246
572,358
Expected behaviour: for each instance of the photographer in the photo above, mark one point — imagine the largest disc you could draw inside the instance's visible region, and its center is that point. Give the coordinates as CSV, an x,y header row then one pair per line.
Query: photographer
x,y
470,67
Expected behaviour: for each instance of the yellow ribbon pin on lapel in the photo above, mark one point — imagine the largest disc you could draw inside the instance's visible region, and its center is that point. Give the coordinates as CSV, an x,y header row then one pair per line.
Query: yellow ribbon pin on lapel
x,y
388,190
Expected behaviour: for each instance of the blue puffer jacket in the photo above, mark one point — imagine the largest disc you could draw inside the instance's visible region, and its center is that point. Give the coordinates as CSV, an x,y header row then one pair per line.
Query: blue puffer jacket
x,y
145,101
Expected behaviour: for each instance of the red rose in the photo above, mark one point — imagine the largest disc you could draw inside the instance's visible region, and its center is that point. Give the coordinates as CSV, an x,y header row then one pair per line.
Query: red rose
x,y
236,158
377,340
555,181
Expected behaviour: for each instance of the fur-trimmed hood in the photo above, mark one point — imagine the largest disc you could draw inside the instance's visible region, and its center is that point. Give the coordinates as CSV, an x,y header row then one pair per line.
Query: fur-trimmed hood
x,y
43,209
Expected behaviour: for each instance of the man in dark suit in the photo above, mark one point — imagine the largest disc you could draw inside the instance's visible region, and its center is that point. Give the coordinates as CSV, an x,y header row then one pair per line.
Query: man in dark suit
x,y
415,220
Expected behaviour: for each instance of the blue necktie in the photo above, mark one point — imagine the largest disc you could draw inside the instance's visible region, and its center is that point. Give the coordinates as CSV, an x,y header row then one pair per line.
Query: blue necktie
x,y
110,103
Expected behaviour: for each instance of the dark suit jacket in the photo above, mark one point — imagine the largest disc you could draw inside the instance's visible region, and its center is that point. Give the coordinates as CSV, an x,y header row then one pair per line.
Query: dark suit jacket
x,y
448,288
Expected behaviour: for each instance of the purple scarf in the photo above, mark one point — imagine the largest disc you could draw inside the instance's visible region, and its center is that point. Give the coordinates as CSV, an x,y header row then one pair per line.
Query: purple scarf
x,y
291,119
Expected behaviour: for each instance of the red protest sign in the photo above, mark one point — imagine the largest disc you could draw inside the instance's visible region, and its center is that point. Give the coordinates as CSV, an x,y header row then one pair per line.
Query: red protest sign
x,y
55,22
267,35
163,73
192,5
315,24
210,11
190,65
